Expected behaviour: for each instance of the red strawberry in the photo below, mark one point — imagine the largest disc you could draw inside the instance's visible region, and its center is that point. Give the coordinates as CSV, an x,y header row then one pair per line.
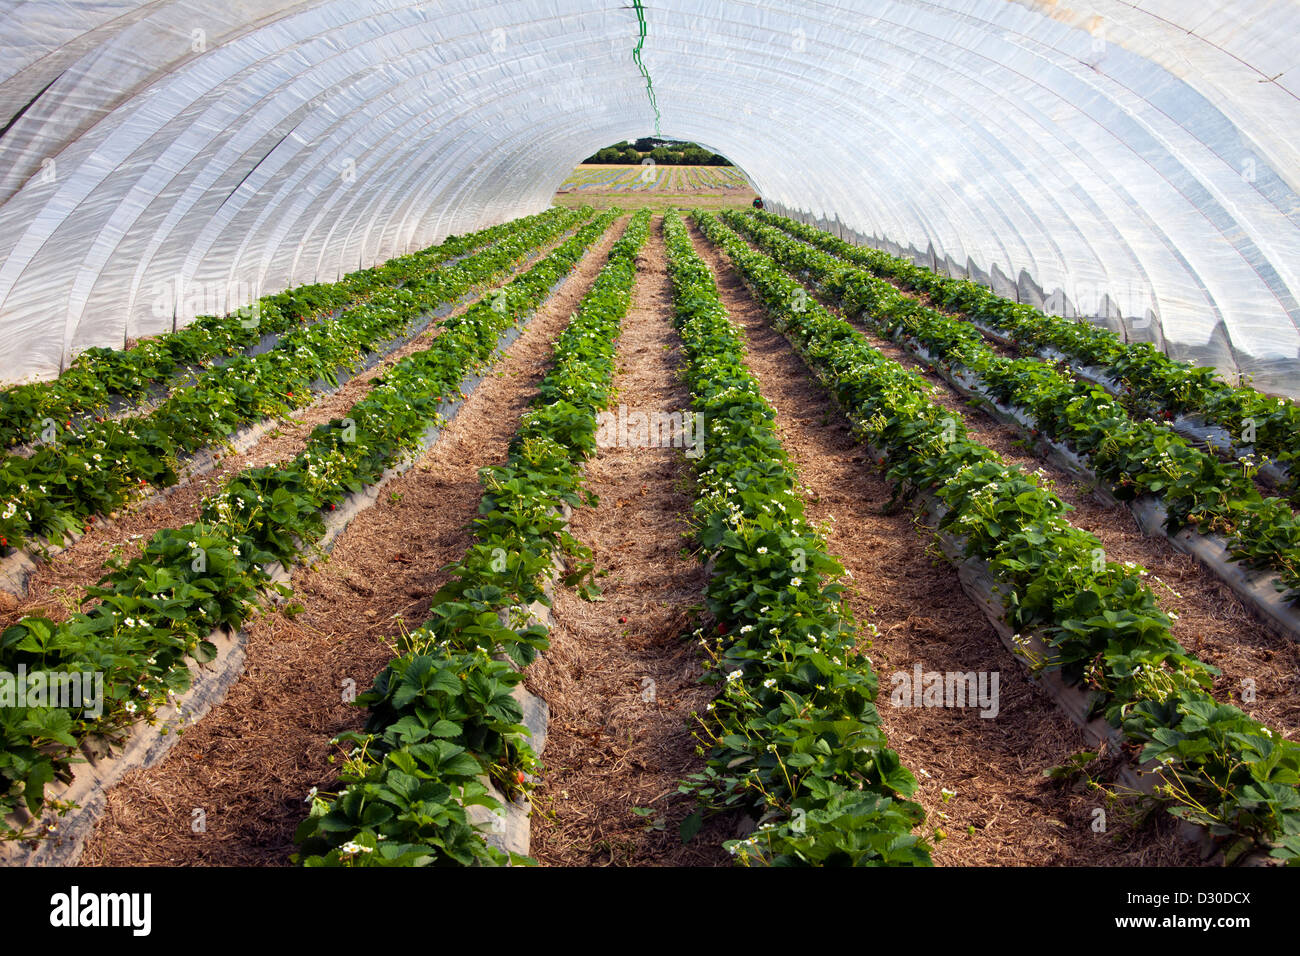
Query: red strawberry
x,y
519,777
622,620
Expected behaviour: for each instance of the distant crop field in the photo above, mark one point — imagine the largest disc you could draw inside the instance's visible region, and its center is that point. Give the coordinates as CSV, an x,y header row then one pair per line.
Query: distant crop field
x,y
712,187
631,179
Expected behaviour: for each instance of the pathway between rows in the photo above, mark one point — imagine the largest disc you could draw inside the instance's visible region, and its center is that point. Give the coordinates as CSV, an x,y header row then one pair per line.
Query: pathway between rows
x,y
622,674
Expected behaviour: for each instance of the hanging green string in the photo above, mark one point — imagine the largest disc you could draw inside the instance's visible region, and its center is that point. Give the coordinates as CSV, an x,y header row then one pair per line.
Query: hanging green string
x,y
636,55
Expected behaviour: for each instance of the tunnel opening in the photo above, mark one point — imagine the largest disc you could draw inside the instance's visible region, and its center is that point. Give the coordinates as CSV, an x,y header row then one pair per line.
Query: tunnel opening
x,y
656,172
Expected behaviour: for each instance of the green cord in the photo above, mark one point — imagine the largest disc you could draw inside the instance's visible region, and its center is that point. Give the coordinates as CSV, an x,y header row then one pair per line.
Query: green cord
x,y
636,55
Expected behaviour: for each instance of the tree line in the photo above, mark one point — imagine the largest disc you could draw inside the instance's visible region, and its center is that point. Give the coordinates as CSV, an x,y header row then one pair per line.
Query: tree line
x,y
665,152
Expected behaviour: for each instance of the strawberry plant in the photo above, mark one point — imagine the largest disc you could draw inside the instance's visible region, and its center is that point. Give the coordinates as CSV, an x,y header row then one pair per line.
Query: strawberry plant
x,y
436,721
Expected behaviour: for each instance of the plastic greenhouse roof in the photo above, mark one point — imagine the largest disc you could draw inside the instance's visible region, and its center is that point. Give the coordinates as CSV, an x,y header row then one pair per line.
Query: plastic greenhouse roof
x,y
1131,161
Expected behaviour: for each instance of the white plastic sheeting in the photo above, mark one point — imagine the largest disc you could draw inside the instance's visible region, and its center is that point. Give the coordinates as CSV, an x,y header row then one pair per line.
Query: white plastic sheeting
x,y
1134,161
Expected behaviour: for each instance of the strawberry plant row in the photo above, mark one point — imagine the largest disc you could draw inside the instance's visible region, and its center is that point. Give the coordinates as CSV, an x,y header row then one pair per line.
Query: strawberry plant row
x,y
155,611
100,378
1134,459
61,487
795,737
445,734
1100,626
54,431
1148,381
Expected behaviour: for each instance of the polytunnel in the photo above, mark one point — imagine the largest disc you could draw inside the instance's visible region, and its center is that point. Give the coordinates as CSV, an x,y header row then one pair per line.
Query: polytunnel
x,y
610,433
1132,162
